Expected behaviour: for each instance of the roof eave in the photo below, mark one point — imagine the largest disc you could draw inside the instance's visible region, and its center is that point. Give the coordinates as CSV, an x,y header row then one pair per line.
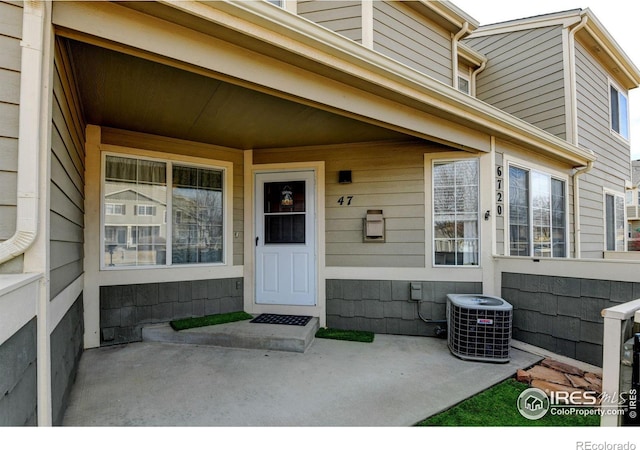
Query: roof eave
x,y
342,54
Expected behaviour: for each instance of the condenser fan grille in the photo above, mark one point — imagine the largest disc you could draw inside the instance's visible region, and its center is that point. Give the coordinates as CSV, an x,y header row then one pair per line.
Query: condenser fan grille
x,y
476,333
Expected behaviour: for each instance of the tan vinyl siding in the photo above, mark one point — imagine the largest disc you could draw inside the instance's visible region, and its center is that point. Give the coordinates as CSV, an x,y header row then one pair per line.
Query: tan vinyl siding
x,y
404,35
10,51
387,177
343,17
525,76
168,145
613,166
67,179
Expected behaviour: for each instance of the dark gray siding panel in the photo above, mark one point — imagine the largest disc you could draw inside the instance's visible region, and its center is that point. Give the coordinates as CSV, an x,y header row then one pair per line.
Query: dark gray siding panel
x,y
524,76
343,17
383,306
562,314
66,349
18,386
67,180
404,35
10,35
124,309
613,165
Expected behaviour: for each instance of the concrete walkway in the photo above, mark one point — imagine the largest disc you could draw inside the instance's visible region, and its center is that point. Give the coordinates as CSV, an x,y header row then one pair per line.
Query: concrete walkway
x,y
394,381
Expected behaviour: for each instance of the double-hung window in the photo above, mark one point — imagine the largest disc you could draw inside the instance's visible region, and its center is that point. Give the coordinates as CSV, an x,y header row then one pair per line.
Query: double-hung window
x,y
537,214
614,222
455,212
155,189
619,111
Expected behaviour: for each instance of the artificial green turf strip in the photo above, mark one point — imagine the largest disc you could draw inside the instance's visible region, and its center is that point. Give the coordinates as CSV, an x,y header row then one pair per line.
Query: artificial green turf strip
x,y
215,319
496,407
345,335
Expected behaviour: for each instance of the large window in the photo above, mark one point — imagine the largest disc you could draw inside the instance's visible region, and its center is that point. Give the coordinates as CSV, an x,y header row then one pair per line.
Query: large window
x,y
537,216
619,110
614,222
455,212
137,197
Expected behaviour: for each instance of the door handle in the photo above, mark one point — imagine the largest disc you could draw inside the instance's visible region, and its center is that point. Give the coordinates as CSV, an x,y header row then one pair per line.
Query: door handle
x,y
257,239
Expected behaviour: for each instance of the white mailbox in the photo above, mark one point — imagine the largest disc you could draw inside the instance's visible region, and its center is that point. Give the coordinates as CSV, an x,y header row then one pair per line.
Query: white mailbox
x,y
373,226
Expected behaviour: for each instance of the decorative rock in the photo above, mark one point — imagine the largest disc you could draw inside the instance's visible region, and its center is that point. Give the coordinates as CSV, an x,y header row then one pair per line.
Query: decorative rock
x,y
562,367
523,376
549,375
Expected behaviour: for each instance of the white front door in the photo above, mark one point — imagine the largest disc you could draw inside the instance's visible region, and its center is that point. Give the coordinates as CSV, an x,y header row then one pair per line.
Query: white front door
x,y
285,238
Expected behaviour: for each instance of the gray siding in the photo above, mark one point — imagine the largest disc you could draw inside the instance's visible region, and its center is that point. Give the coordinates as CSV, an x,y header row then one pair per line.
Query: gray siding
x,y
404,35
390,178
524,76
563,314
383,306
343,17
124,309
67,178
10,35
66,349
613,166
18,386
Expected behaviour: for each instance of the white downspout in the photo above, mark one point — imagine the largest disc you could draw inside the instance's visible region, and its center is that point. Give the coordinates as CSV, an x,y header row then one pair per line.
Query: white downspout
x,y
454,52
474,74
574,137
29,132
576,207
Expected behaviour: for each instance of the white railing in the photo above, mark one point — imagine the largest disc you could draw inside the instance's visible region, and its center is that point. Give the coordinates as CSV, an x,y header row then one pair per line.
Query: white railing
x,y
618,327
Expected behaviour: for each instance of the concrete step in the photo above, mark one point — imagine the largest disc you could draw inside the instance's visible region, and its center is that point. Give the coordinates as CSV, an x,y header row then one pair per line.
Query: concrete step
x,y
244,334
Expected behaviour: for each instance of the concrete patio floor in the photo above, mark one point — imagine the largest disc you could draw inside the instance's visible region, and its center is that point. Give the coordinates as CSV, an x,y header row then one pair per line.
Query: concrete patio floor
x,y
394,381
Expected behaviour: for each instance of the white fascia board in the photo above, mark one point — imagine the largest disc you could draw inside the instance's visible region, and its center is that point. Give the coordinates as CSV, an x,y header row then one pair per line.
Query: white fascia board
x,y
451,13
600,34
564,19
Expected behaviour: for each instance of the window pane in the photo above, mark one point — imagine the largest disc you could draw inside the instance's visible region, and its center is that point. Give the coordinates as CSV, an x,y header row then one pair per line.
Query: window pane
x,y
610,222
519,212
558,218
284,197
619,223
463,85
197,201
135,202
615,110
284,229
623,115
455,210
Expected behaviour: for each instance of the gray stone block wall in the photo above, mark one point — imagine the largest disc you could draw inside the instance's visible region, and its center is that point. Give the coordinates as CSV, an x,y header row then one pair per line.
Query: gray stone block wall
x,y
18,384
563,314
384,306
124,309
67,343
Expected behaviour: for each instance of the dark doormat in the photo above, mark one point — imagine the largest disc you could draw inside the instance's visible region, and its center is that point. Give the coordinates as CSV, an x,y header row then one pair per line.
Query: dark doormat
x,y
280,319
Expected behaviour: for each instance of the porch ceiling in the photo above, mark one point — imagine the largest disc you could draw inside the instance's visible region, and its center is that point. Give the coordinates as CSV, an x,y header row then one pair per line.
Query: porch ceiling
x,y
122,91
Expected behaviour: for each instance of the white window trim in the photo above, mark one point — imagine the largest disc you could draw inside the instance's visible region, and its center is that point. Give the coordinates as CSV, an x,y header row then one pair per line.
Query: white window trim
x,y
614,193
431,249
227,214
508,161
626,95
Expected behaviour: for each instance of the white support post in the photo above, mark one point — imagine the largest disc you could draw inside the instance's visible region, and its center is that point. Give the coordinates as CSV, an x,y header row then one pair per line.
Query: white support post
x,y
612,345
